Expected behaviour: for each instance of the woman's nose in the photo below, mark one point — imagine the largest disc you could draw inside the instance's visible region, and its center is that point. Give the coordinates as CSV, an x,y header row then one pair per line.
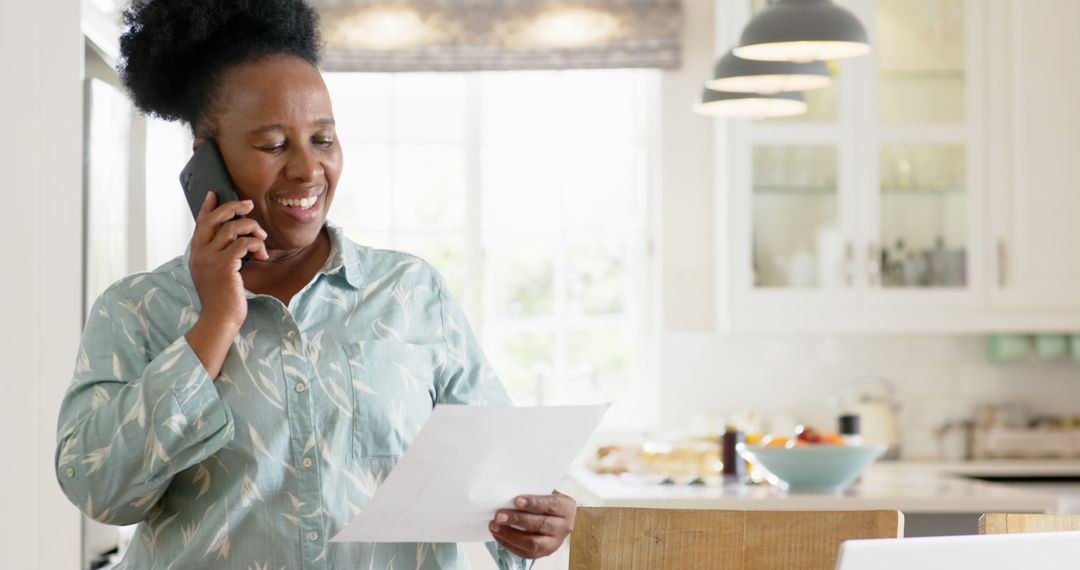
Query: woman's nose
x,y
303,165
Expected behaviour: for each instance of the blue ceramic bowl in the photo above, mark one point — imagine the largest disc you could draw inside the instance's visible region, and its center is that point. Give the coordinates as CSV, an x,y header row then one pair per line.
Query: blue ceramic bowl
x,y
814,468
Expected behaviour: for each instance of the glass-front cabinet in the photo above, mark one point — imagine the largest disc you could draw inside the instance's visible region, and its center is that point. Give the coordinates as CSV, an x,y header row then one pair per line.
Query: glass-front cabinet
x,y
870,203
927,119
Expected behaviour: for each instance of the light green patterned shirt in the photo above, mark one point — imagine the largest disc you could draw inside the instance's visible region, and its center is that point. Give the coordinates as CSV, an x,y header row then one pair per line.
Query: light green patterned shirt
x,y
314,405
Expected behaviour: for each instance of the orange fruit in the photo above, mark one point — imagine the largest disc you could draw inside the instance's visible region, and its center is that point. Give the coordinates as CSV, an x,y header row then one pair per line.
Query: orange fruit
x,y
832,439
776,441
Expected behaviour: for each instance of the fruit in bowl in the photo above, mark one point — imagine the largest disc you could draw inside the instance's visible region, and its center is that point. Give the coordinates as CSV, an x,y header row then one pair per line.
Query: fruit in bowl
x,y
812,462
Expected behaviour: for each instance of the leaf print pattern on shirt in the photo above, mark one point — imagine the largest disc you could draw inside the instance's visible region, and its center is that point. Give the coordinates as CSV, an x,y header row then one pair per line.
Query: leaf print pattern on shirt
x,y
315,402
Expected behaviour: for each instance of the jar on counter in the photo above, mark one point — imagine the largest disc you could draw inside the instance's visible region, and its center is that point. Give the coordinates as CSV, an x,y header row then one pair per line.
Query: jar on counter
x,y
848,428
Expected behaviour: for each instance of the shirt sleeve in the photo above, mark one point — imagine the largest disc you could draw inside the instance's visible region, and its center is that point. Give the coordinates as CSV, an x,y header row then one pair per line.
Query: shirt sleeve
x,y
468,378
131,420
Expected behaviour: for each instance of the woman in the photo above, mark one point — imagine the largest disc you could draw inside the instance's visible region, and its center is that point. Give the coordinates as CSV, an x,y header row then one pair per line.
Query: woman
x,y
242,414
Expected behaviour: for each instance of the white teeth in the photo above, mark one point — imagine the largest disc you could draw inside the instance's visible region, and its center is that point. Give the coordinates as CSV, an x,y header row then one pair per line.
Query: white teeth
x,y
303,203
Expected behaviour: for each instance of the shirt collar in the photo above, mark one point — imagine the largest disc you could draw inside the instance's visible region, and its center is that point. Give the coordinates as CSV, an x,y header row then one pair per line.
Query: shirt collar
x,y
343,258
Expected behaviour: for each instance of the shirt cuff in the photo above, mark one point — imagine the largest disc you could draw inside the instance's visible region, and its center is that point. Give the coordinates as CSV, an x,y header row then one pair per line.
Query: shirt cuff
x,y
196,395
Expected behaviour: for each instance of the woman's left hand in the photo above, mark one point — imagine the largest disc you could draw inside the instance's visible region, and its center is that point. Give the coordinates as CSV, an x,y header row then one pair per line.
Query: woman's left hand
x,y
537,527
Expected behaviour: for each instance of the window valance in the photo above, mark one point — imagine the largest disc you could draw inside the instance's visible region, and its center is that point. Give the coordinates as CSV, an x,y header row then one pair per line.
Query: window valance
x,y
475,35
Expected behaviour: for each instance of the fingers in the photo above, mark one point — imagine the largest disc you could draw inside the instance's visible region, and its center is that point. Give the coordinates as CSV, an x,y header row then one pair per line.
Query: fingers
x,y
231,230
209,201
537,527
524,544
207,223
532,523
555,504
242,246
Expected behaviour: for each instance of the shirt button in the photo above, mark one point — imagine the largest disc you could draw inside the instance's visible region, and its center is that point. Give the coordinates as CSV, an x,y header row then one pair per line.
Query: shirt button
x,y
301,387
307,462
292,334
70,471
313,536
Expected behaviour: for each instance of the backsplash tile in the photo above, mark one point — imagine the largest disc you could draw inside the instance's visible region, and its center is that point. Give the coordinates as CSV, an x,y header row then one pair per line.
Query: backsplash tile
x,y
938,379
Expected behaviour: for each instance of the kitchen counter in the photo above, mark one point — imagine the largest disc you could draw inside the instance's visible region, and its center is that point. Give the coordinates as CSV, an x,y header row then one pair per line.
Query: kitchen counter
x,y
910,487
1050,468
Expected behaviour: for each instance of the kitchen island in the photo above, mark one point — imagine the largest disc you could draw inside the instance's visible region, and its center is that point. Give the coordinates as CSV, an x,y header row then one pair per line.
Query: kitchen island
x,y
936,498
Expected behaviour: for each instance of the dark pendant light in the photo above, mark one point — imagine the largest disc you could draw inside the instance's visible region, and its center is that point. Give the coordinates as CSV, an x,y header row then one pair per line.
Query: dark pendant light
x,y
735,74
749,105
801,31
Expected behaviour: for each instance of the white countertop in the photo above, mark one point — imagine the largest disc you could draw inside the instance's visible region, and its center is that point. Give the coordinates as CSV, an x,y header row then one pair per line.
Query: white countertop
x,y
1008,468
906,486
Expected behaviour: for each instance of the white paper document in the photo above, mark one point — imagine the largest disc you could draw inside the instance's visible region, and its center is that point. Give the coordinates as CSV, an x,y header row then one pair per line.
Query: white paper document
x,y
466,463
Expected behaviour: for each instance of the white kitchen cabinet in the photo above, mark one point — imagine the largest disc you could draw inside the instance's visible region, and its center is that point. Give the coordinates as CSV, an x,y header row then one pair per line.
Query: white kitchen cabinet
x,y
1036,233
900,203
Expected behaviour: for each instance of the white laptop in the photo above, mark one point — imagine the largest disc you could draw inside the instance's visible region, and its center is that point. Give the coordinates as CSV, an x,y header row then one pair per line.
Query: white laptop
x,y
1042,550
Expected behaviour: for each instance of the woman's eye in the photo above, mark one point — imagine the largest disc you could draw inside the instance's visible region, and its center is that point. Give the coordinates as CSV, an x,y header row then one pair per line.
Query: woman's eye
x,y
274,148
324,142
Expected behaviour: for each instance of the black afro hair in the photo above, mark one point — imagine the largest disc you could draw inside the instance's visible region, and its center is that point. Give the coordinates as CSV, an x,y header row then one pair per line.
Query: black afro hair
x,y
173,52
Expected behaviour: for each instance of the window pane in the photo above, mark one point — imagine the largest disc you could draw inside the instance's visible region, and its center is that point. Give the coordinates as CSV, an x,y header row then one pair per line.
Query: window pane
x,y
521,188
107,187
603,352
429,186
362,102
923,215
596,280
519,357
168,148
605,188
430,107
522,277
601,106
796,239
920,50
362,200
522,107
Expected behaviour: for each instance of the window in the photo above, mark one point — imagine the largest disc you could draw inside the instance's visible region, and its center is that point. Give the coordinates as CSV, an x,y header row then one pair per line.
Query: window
x,y
528,191
107,146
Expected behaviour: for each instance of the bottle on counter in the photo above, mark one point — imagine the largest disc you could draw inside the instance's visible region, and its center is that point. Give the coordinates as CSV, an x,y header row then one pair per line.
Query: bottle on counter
x,y
734,469
848,428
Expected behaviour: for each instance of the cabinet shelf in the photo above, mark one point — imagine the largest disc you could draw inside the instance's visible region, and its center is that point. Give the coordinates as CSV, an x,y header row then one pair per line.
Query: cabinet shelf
x,y
921,74
795,190
810,190
921,190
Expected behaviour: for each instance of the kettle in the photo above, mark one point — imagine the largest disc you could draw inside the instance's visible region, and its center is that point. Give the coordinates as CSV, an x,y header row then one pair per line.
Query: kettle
x,y
874,401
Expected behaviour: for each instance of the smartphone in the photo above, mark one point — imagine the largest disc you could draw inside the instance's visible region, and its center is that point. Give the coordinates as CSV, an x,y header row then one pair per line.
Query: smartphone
x,y
204,173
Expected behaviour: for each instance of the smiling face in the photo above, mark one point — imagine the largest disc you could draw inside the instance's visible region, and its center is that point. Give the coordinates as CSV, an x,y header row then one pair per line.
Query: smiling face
x,y
274,123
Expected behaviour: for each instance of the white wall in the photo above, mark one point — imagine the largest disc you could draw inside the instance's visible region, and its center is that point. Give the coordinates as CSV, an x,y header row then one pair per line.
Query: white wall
x,y
687,162
41,154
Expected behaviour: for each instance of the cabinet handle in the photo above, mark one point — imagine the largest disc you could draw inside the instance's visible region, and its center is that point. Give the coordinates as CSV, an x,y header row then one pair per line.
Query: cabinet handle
x,y
873,264
1002,264
849,264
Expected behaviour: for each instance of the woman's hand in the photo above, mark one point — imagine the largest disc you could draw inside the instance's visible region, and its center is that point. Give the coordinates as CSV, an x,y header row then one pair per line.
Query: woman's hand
x,y
217,246
537,527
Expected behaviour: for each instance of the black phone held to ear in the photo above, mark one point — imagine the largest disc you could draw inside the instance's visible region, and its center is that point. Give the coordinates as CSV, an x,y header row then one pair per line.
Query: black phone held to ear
x,y
204,173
